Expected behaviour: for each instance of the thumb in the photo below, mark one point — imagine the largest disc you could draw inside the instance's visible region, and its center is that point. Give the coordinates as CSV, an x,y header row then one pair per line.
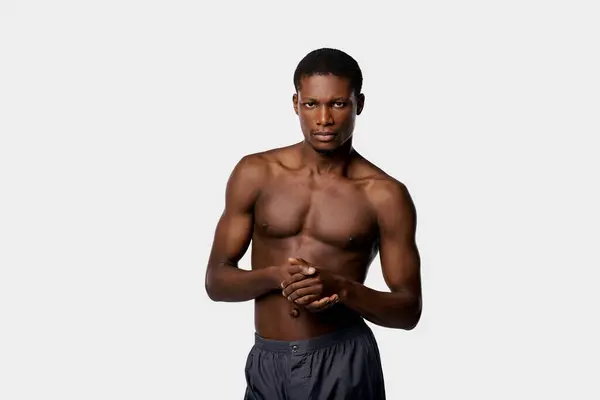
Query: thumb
x,y
305,268
298,261
308,270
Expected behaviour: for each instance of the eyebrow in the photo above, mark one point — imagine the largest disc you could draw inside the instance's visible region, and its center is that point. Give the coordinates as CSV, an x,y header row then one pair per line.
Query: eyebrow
x,y
334,99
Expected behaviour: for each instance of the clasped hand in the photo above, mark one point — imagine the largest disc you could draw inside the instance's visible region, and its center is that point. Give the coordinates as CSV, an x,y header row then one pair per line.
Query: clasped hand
x,y
315,289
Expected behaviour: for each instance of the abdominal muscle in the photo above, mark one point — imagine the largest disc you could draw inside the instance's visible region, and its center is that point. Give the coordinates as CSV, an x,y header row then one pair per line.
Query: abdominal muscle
x,y
278,318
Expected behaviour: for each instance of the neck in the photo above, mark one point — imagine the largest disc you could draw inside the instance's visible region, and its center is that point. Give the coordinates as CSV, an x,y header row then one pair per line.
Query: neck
x,y
335,162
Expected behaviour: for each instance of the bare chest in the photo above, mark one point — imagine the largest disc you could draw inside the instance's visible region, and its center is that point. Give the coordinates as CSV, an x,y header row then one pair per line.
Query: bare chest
x,y
335,214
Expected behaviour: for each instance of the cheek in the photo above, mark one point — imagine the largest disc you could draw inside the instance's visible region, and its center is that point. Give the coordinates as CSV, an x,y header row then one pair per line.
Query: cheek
x,y
305,119
346,120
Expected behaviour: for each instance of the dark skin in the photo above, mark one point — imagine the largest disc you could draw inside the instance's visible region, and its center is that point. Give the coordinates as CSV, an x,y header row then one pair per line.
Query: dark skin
x,y
317,213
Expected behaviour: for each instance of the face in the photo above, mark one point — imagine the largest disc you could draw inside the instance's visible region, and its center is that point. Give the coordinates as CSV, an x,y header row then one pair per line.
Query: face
x,y
327,108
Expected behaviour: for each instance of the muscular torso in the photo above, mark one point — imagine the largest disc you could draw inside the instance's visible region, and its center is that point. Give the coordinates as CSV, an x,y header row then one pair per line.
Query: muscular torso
x,y
325,219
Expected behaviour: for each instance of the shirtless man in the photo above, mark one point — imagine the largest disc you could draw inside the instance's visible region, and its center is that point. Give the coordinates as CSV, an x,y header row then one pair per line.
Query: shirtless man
x,y
317,213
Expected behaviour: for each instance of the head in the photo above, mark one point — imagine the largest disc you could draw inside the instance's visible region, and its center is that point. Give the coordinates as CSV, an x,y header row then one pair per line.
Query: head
x,y
328,98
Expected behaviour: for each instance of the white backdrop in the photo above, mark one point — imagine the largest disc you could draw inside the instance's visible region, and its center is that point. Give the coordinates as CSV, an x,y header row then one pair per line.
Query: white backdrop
x,y
120,122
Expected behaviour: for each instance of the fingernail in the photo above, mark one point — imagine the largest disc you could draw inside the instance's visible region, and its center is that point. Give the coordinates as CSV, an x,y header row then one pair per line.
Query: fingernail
x,y
311,270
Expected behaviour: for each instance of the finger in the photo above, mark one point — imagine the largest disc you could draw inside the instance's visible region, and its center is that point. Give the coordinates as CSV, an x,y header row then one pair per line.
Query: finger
x,y
306,282
317,309
302,269
308,267
304,300
324,303
319,305
294,278
296,294
297,261
293,294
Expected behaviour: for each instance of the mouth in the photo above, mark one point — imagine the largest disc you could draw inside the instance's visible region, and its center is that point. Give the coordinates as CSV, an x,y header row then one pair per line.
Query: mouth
x,y
324,136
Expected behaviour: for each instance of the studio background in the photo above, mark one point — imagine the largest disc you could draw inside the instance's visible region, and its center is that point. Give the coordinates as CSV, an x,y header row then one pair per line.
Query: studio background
x,y
121,121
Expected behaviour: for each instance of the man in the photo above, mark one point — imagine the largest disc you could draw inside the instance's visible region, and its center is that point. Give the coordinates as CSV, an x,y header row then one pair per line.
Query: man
x,y
317,213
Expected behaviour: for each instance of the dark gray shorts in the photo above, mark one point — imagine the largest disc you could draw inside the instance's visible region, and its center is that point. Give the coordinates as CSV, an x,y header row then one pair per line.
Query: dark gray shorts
x,y
341,365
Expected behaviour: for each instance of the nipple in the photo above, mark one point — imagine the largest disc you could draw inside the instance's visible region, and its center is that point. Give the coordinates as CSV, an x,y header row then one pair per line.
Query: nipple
x,y
295,312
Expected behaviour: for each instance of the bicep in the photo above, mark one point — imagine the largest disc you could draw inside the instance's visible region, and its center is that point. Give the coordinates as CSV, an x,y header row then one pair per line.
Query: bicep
x,y
232,237
400,262
234,229
399,255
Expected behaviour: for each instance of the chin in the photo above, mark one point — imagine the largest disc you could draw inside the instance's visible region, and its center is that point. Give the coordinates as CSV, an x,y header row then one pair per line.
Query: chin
x,y
325,147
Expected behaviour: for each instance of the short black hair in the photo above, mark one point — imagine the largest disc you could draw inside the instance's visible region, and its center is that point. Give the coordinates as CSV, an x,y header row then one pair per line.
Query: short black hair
x,y
327,61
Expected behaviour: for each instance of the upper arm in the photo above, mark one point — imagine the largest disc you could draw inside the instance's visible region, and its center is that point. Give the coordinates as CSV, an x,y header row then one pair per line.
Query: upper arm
x,y
397,220
234,229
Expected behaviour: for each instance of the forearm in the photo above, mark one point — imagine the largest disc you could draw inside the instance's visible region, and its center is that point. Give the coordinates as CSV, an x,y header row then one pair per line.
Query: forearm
x,y
400,309
228,283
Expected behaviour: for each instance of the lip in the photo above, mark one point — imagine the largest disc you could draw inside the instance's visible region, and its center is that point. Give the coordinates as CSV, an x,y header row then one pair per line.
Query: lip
x,y
324,136
324,133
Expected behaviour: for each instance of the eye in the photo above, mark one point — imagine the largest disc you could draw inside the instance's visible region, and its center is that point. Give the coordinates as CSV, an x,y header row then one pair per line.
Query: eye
x,y
339,104
309,104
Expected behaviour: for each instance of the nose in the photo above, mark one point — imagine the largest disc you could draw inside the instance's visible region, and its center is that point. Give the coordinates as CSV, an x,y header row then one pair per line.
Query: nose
x,y
325,116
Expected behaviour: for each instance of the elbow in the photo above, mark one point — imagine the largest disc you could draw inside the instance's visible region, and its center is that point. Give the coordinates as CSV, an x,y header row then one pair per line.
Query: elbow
x,y
412,322
213,293
211,287
414,316
210,291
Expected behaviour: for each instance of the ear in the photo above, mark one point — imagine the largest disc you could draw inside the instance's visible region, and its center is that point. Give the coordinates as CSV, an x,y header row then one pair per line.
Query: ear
x,y
360,103
295,101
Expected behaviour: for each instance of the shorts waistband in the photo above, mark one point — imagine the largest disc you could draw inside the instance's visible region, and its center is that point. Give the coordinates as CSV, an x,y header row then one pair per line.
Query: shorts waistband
x,y
311,344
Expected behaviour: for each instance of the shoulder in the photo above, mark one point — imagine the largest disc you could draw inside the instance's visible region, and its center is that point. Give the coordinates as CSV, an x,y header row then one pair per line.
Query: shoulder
x,y
386,194
251,166
392,205
264,163
245,182
254,169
